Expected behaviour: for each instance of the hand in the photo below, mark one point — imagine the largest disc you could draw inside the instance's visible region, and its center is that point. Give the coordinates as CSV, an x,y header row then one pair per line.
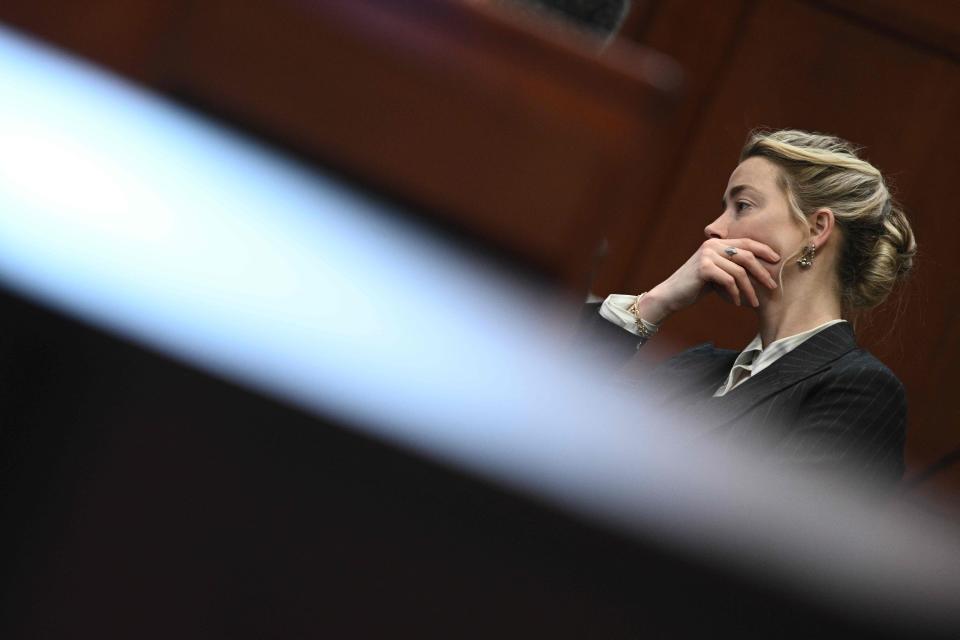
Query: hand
x,y
710,268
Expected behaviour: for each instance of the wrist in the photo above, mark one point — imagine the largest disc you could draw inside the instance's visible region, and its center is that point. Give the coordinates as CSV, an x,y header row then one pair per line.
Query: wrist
x,y
652,307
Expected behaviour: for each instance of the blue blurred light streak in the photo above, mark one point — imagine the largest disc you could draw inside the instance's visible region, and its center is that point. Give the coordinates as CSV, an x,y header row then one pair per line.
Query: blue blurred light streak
x,y
140,217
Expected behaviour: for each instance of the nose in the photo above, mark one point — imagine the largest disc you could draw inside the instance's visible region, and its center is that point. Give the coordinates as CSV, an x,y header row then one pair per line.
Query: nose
x,y
715,229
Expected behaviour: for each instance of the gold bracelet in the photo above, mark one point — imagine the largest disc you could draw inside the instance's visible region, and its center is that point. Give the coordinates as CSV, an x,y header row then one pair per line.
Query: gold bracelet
x,y
645,329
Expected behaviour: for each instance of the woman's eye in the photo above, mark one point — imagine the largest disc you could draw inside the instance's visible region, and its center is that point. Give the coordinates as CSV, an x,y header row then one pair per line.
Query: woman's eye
x,y
741,205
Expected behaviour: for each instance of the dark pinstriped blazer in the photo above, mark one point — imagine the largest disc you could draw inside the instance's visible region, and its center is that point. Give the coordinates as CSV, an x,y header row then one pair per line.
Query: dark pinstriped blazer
x,y
827,406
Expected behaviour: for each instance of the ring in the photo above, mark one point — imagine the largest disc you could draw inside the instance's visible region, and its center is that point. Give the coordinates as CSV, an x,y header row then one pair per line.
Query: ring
x,y
730,251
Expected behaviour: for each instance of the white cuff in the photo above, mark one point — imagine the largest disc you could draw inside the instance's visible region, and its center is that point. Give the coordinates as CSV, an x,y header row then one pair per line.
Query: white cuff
x,y
616,309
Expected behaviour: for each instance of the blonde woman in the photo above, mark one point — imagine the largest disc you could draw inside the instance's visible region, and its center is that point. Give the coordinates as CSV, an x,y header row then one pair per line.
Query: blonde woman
x,y
809,237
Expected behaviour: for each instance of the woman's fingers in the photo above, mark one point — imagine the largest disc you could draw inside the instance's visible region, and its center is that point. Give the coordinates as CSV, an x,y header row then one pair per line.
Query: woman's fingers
x,y
713,273
749,261
728,272
739,274
758,249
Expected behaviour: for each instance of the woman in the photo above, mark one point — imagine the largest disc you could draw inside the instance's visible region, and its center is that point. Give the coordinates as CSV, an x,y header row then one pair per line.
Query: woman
x,y
809,237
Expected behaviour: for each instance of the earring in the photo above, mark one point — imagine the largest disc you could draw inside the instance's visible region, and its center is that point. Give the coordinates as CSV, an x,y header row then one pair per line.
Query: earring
x,y
806,259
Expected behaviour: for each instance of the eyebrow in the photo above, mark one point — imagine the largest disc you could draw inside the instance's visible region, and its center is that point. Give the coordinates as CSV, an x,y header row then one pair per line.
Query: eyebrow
x,y
735,191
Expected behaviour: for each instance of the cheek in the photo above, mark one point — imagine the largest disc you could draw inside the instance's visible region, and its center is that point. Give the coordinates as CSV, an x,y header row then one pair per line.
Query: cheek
x,y
782,239
786,241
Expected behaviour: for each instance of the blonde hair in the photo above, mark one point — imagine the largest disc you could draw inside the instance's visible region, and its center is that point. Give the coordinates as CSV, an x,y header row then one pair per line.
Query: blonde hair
x,y
825,171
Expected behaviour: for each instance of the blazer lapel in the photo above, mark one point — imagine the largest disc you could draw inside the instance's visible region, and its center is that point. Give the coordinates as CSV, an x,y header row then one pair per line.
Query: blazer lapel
x,y
809,358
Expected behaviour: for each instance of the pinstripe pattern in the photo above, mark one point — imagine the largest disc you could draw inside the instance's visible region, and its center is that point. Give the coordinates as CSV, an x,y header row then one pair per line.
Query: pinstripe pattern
x,y
755,357
827,406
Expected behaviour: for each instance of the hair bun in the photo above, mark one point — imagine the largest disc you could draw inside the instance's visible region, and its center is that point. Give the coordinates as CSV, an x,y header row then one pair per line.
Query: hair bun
x,y
890,260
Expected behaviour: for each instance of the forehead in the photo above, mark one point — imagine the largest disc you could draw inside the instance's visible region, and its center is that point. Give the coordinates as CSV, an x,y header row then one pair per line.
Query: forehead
x,y
756,172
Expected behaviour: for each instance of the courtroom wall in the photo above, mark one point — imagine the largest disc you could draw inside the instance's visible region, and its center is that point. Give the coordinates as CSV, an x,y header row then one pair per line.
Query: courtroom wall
x,y
883,74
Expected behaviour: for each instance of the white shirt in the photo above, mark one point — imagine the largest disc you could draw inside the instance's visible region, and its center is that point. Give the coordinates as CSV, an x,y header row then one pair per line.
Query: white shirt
x,y
751,360
755,358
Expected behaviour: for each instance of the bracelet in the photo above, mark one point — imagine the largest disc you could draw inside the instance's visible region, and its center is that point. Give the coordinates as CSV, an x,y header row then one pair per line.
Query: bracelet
x,y
645,329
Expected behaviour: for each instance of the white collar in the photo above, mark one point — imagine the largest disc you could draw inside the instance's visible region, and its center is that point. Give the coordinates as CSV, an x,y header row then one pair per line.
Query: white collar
x,y
754,358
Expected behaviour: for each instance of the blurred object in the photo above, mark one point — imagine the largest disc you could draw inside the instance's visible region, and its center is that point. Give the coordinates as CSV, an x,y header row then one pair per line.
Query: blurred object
x,y
945,464
934,487
521,137
236,404
492,125
603,17
125,36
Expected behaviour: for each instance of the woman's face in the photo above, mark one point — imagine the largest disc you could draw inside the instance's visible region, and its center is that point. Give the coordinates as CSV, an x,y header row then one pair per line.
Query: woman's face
x,y
755,207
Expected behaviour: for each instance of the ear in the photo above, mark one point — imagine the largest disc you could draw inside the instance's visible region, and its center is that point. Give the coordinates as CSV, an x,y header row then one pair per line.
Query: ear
x,y
821,226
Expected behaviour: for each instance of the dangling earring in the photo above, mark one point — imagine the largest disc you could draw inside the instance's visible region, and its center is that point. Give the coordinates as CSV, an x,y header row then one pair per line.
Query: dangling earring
x,y
809,252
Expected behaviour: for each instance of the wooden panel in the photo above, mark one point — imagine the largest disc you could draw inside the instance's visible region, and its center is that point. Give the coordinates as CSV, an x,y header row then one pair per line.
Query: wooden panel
x,y
491,121
507,132
928,23
838,76
125,36
700,36
638,19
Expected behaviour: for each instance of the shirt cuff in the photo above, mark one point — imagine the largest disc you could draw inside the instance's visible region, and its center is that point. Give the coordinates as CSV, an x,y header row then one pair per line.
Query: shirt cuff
x,y
616,309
